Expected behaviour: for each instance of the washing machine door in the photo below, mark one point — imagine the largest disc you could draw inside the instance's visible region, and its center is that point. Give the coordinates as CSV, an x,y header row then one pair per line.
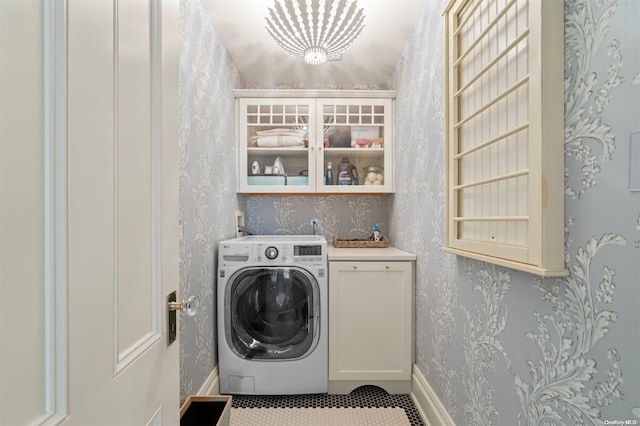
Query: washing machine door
x,y
272,313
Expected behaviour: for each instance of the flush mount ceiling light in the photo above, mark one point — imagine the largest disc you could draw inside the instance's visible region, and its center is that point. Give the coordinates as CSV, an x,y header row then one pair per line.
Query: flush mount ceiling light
x,y
315,30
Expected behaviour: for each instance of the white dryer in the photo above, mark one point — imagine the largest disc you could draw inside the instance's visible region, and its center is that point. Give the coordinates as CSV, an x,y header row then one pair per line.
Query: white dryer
x,y
272,315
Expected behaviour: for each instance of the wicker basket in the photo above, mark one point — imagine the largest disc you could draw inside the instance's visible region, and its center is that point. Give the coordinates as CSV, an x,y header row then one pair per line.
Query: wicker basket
x,y
348,243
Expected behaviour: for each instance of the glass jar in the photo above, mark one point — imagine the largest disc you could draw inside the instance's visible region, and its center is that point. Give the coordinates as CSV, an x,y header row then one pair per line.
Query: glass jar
x,y
373,175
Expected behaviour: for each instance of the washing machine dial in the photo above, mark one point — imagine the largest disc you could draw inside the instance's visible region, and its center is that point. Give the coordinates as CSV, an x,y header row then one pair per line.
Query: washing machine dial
x,y
271,253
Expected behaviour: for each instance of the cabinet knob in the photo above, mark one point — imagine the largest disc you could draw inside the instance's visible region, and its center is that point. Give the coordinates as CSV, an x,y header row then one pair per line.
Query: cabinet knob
x,y
387,267
355,267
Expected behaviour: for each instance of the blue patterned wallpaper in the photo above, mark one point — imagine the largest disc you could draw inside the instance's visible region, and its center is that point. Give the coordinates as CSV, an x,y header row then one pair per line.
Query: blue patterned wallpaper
x,y
341,216
501,346
208,199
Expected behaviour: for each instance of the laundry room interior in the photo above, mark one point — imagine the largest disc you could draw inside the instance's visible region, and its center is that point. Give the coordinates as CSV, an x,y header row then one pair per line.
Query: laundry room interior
x,y
490,344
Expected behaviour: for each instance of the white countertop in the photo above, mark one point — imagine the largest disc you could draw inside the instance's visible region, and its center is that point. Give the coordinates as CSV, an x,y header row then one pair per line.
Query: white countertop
x,y
360,254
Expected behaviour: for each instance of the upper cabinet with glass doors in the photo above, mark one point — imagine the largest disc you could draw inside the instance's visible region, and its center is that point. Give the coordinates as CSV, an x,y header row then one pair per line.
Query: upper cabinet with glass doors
x,y
288,139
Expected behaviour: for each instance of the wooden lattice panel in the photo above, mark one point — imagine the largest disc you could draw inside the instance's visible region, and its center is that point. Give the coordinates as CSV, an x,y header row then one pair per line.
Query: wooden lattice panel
x,y
495,150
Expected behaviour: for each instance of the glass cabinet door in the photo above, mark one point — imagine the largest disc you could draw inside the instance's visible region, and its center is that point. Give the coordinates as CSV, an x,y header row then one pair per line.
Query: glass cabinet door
x,y
356,141
274,139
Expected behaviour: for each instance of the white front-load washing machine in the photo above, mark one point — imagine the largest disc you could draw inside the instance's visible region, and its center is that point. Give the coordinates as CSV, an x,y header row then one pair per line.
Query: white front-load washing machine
x,y
272,315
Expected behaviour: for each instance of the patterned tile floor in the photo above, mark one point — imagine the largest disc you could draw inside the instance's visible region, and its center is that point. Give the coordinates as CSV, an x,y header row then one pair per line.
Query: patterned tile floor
x,y
369,403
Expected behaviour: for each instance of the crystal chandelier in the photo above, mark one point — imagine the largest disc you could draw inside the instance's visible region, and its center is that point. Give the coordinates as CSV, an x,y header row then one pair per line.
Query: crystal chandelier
x,y
315,30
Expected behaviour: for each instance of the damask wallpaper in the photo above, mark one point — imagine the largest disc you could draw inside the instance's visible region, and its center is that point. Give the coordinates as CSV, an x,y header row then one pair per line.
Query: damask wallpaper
x,y
208,198
501,346
342,216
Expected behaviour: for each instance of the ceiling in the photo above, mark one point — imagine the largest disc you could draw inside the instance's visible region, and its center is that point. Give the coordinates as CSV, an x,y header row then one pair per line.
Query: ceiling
x,y
371,59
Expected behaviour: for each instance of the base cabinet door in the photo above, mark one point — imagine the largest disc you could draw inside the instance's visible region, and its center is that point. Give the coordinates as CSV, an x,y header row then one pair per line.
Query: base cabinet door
x,y
370,325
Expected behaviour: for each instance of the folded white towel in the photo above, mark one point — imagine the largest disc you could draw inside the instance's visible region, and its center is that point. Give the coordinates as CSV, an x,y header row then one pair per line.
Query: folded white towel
x,y
277,141
281,132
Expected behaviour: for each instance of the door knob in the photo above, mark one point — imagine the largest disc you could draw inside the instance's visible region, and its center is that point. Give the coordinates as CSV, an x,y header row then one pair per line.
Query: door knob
x,y
188,306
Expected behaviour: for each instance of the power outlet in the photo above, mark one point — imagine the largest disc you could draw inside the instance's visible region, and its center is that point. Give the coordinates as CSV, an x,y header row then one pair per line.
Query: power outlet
x,y
239,222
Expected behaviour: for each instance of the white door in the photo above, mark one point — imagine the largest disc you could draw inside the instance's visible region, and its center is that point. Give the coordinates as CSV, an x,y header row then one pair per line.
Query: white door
x,y
111,219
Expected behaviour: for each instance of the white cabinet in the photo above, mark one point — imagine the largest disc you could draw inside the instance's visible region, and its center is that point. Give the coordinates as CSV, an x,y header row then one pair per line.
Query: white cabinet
x,y
287,138
370,325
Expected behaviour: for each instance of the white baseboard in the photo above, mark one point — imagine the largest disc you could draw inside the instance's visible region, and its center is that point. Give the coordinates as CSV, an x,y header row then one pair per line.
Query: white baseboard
x,y
427,402
211,385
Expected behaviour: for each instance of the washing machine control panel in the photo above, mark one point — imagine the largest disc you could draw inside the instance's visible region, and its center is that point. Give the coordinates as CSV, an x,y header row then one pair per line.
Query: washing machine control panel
x,y
272,252
305,254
